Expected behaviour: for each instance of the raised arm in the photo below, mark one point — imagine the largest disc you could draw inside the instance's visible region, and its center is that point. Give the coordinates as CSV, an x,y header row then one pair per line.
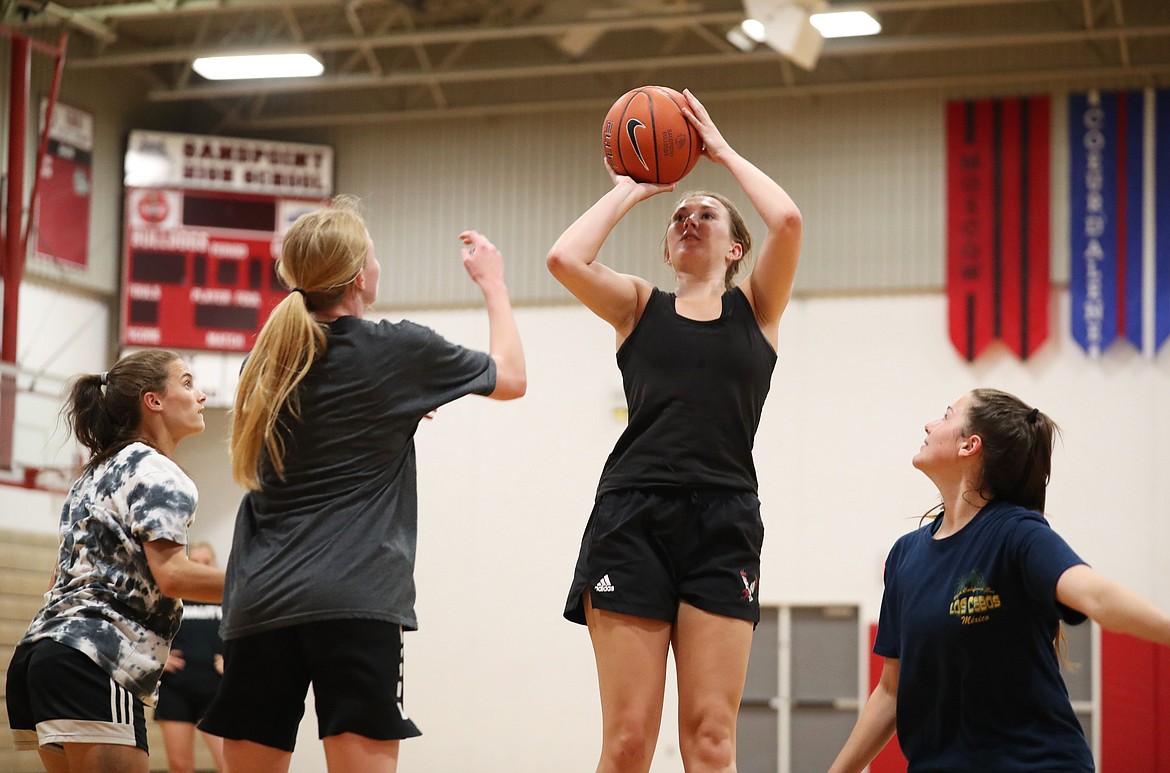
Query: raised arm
x,y
1114,606
616,298
178,576
485,266
769,286
874,727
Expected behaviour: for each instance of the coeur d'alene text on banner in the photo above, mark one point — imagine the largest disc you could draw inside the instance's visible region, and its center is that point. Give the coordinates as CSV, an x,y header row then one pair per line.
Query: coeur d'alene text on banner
x,y
1119,218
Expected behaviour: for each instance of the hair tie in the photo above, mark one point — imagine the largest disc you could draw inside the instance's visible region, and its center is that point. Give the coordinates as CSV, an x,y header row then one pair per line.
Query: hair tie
x,y
1033,415
302,292
105,377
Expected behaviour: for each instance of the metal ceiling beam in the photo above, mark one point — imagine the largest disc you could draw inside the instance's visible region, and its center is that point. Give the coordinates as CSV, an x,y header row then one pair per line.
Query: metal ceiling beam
x,y
188,7
899,6
409,39
460,34
879,45
80,21
979,82
832,49
415,78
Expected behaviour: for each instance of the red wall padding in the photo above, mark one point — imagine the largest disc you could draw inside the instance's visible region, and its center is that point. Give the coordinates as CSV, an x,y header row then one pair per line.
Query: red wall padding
x,y
890,760
1135,705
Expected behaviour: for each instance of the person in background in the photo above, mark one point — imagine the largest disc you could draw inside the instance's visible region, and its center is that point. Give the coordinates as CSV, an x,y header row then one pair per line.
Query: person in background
x,y
973,604
193,673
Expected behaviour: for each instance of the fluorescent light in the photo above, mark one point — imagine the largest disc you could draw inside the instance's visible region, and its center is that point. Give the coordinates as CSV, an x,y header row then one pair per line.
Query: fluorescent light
x,y
737,38
747,34
845,24
787,29
754,29
222,68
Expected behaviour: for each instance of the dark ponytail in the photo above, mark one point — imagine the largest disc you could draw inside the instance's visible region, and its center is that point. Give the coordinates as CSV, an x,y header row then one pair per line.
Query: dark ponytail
x,y
104,411
1017,447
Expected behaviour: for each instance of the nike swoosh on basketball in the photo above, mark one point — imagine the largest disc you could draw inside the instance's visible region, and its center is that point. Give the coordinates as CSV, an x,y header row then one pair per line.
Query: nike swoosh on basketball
x,y
632,125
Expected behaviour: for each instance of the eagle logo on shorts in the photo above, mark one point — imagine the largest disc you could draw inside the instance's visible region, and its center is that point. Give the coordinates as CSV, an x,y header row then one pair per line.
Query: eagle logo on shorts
x,y
749,588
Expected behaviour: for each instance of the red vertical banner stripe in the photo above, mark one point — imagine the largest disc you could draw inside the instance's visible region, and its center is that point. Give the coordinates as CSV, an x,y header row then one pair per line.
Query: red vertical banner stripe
x,y
1035,264
998,224
62,209
969,226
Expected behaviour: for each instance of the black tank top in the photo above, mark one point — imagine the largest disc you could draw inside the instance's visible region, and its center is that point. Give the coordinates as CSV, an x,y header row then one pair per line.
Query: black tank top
x,y
695,392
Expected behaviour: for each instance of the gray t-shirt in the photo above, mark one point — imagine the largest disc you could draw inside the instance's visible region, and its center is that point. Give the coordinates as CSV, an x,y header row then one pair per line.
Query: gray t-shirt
x,y
336,538
104,601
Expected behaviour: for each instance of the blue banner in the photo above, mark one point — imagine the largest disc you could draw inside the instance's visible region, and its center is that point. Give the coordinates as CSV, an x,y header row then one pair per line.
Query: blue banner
x,y
1119,277
1096,140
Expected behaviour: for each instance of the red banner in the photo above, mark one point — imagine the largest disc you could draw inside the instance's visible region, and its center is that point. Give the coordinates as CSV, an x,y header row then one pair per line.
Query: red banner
x,y
997,224
62,216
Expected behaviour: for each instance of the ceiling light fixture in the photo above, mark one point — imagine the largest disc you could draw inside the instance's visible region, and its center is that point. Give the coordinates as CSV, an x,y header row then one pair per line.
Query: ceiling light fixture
x,y
221,68
754,29
786,28
845,24
738,38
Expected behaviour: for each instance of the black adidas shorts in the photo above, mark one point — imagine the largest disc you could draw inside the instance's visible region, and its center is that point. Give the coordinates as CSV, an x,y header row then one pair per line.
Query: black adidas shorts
x,y
646,550
57,695
355,667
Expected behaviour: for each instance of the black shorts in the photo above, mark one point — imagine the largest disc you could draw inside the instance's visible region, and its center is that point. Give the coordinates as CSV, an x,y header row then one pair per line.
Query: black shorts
x,y
646,550
355,667
57,695
184,699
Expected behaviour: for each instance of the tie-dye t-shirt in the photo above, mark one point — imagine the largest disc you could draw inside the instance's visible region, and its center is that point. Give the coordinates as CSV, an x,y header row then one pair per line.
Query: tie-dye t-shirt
x,y
104,601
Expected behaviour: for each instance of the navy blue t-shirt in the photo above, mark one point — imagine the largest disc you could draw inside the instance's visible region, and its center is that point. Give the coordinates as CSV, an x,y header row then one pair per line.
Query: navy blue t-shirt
x,y
971,619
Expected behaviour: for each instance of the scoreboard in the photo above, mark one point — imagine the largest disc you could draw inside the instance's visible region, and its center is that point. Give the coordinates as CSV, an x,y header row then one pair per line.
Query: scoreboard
x,y
204,219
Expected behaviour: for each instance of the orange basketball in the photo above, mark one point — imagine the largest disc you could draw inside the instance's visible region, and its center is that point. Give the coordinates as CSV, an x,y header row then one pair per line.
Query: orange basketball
x,y
646,136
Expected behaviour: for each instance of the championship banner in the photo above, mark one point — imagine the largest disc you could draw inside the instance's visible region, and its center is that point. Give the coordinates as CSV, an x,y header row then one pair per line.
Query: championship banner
x,y
998,224
62,216
1119,223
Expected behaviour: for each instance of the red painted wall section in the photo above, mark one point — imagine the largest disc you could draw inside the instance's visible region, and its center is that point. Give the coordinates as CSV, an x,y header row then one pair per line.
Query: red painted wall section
x,y
1135,705
890,760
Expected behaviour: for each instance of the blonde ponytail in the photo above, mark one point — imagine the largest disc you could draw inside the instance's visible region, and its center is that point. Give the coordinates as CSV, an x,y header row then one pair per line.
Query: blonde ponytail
x,y
322,253
288,344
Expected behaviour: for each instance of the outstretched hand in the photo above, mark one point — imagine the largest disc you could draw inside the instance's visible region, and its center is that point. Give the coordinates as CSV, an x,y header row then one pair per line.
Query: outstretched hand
x,y
482,260
714,146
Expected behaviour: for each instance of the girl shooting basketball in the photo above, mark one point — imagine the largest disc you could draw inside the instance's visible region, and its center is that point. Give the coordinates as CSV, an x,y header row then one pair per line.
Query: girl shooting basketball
x,y
671,553
970,619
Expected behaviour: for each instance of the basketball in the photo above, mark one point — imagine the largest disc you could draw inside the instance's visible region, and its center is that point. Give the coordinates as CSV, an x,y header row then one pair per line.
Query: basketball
x,y
647,137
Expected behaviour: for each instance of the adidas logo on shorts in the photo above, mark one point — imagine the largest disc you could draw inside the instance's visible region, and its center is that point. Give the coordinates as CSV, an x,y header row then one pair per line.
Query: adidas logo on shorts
x,y
604,585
